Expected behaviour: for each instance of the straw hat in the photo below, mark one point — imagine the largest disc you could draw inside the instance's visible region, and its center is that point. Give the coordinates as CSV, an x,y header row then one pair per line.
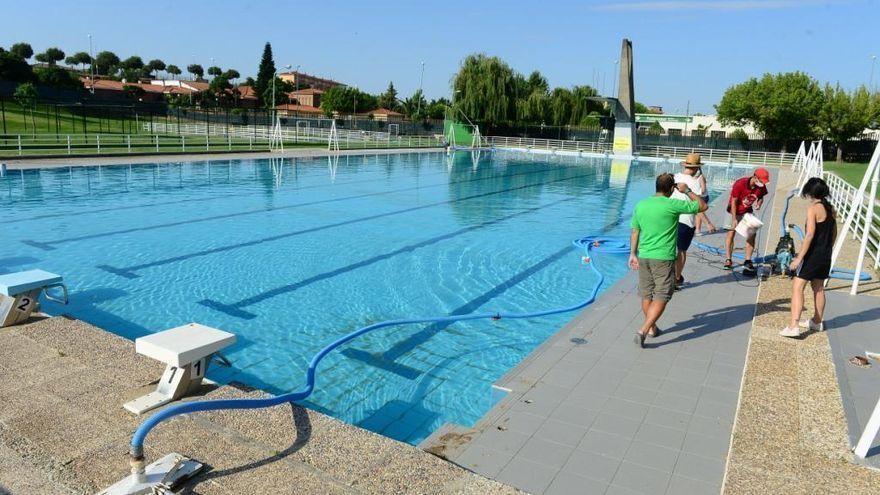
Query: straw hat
x,y
692,160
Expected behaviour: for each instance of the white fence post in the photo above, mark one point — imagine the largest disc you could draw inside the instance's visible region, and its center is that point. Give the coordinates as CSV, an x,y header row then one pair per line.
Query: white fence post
x,y
128,141
183,142
157,143
19,145
98,141
68,144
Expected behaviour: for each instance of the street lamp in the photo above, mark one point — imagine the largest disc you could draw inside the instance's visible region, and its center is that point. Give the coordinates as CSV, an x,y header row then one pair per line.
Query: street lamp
x,y
91,66
296,77
421,79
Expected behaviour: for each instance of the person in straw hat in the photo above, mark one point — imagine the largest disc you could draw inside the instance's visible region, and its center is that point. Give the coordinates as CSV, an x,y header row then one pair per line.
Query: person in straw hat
x,y
690,168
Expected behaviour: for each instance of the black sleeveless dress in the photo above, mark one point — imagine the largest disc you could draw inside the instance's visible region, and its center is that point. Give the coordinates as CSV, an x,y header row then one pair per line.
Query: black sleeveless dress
x,y
817,261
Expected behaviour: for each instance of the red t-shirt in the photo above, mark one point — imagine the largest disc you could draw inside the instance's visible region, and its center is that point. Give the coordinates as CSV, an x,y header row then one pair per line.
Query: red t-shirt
x,y
745,195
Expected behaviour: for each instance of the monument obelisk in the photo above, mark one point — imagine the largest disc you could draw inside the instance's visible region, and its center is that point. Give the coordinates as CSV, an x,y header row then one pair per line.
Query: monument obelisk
x,y
625,109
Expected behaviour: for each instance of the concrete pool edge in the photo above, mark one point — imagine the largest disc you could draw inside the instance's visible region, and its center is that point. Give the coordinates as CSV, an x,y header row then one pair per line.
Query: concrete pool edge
x,y
66,432
75,161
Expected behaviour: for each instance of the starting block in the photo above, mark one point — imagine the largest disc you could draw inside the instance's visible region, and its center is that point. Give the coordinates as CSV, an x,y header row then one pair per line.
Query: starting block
x,y
186,352
20,293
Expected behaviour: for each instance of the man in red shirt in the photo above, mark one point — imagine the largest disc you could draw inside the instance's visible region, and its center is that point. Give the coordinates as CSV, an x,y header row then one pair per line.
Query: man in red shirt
x,y
746,196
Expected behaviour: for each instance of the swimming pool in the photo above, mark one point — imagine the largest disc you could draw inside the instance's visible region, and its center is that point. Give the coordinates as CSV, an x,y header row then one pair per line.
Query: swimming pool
x,y
291,254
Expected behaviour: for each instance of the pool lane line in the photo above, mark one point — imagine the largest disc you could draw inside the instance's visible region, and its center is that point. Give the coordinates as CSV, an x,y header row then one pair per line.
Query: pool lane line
x,y
129,272
235,309
387,360
50,245
191,200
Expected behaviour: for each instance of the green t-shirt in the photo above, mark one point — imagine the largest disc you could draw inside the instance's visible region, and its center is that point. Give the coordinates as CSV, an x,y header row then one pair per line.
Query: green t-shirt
x,y
657,220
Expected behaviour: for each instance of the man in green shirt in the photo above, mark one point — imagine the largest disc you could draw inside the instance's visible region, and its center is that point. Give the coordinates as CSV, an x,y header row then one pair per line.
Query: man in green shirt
x,y
653,247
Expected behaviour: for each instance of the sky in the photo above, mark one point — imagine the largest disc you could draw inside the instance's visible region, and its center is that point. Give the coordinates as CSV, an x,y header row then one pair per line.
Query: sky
x,y
686,53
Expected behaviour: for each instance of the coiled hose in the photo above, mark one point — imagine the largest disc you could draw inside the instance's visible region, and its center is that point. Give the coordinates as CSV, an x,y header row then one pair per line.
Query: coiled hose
x,y
590,244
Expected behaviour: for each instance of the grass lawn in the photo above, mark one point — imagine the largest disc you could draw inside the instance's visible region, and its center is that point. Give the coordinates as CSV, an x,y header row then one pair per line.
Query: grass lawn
x,y
850,172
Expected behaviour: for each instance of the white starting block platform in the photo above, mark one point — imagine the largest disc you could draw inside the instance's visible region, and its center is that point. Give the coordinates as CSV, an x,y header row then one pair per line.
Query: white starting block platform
x,y
186,352
20,293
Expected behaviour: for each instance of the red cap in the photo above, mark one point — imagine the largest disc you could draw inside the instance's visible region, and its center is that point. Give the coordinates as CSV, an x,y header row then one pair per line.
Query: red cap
x,y
762,174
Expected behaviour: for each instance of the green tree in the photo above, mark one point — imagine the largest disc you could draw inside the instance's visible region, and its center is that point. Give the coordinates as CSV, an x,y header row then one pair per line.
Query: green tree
x,y
196,70
22,50
132,63
585,112
231,74
214,71
156,65
347,100
415,107
844,115
51,56
106,63
14,68
79,58
57,77
265,74
437,108
282,89
388,99
173,70
26,96
485,89
655,128
782,106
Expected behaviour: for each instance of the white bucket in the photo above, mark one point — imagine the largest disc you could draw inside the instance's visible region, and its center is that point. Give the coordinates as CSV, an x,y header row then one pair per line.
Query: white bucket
x,y
748,225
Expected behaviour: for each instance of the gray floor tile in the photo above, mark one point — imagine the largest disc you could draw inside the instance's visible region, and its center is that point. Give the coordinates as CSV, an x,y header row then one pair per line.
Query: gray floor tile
x,y
675,402
483,460
545,452
668,418
712,409
561,377
527,475
680,388
686,486
700,468
607,444
521,422
567,483
635,393
584,399
506,441
615,424
640,478
635,411
653,456
619,490
561,432
660,435
712,427
714,447
591,465
575,415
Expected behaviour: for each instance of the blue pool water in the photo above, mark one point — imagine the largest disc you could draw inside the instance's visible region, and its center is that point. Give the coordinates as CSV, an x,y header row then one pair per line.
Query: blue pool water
x,y
291,254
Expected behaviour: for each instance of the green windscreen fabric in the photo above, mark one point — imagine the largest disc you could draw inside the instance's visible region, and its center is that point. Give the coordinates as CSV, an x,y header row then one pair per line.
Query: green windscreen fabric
x,y
458,134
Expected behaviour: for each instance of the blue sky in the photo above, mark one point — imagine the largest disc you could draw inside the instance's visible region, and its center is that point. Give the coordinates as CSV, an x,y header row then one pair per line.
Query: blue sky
x,y
683,50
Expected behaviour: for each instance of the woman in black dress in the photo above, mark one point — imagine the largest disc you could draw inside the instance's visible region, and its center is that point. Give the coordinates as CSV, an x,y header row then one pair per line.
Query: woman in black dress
x,y
813,264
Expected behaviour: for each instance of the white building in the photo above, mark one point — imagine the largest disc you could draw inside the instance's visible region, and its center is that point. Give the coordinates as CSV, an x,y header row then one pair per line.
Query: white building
x,y
689,124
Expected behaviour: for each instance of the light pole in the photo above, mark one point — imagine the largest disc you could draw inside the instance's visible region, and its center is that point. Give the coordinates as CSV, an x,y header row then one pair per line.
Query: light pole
x,y
296,77
614,78
421,79
91,66
871,81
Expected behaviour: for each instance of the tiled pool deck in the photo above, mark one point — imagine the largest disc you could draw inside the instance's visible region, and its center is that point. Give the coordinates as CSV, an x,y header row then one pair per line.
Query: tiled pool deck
x,y
589,412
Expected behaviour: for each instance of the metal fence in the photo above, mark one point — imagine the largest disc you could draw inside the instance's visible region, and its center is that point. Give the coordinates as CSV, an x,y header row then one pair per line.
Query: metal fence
x,y
843,198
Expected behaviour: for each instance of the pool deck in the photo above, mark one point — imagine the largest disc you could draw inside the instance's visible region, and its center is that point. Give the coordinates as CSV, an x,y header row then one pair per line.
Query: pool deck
x,y
63,429
590,412
90,161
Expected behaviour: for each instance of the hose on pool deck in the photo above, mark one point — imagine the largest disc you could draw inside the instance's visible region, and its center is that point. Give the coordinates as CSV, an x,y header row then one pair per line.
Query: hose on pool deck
x,y
599,244
837,273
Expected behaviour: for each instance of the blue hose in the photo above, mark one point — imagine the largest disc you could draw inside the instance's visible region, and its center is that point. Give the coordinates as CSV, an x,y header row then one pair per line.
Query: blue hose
x,y
589,243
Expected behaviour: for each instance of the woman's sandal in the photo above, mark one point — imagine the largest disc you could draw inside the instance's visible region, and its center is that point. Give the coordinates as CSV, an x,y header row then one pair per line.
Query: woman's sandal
x,y
728,264
860,361
640,339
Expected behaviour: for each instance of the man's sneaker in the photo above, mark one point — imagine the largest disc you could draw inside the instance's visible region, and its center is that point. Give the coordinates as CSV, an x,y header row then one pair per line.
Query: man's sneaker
x,y
814,327
791,332
749,268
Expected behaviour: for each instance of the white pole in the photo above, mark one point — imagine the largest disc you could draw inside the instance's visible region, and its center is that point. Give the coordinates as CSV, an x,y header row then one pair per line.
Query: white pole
x,y
869,218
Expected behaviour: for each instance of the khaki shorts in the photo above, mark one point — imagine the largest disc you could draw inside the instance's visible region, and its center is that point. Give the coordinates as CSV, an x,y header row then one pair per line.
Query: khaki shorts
x,y
656,279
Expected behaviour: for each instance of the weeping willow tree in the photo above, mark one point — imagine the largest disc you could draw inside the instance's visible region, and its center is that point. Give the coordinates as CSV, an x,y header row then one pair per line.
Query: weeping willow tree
x,y
485,89
488,90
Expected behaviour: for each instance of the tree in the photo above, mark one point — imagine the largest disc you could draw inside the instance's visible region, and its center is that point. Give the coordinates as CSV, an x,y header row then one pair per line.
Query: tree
x,y
173,70
485,89
26,96
106,63
282,88
265,74
132,63
783,106
57,77
250,82
51,56
844,115
415,107
231,74
641,108
388,99
79,58
155,65
347,100
22,50
437,108
14,68
214,71
196,70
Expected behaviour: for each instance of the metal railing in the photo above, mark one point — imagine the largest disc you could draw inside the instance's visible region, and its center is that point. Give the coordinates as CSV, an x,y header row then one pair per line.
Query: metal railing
x,y
674,152
842,199
352,139
92,144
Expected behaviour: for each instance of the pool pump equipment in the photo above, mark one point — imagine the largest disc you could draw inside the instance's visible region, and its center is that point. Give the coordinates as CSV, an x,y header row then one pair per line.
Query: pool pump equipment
x,y
785,253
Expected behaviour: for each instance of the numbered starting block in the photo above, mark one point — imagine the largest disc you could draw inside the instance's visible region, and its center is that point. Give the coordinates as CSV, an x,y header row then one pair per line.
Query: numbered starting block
x,y
186,352
20,293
